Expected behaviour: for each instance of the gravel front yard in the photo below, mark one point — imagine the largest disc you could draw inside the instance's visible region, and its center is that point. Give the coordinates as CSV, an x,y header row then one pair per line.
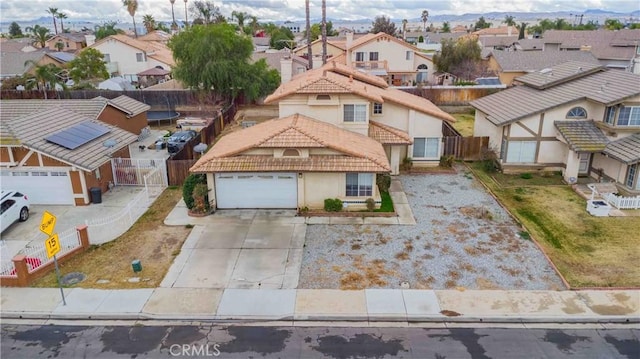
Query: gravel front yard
x,y
463,239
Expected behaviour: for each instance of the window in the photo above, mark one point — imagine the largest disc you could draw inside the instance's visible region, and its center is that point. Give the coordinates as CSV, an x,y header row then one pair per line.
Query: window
x,y
359,59
67,44
577,112
291,152
629,116
107,58
426,147
610,115
409,55
355,113
323,97
521,152
140,57
377,108
373,56
300,69
359,184
632,173
6,205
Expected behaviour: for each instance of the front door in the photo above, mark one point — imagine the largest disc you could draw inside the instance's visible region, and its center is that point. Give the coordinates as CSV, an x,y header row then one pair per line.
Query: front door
x,y
585,159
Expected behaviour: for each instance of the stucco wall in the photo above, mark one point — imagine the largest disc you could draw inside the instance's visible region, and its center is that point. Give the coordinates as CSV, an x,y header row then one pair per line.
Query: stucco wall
x,y
316,187
612,168
394,53
482,127
125,57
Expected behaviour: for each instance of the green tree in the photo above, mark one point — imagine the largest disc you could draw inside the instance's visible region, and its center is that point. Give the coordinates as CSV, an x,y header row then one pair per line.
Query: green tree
x,y
45,76
88,66
40,35
383,24
149,23
316,31
281,37
446,27
59,45
253,23
635,25
561,24
613,24
61,16
132,7
424,17
240,17
522,30
205,13
107,29
481,24
14,30
459,57
509,20
215,58
53,11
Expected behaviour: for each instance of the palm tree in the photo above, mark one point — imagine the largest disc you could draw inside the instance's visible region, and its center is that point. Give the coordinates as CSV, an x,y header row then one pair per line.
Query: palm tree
x,y
309,54
61,16
254,24
186,20
132,7
404,28
149,23
40,35
174,26
45,76
509,20
424,17
324,31
59,45
240,17
54,11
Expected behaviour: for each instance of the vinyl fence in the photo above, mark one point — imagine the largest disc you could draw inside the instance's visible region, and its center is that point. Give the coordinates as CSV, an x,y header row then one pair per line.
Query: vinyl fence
x,y
622,202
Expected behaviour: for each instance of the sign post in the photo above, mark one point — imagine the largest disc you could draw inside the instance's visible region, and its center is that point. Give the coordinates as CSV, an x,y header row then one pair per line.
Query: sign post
x,y
52,244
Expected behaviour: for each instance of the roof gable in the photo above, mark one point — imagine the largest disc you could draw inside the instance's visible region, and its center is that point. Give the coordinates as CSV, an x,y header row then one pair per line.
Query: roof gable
x,y
559,74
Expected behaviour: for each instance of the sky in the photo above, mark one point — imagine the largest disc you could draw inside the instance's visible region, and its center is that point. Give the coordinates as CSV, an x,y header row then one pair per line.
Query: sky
x,y
294,10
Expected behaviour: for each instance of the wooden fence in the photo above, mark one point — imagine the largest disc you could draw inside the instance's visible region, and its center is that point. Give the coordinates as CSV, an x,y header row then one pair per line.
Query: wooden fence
x,y
465,148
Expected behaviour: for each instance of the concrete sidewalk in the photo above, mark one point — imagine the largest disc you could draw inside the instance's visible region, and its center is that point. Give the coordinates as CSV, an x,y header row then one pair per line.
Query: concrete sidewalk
x,y
382,305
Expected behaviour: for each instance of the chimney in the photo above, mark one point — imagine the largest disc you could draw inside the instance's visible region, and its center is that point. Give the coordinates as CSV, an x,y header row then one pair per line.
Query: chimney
x,y
349,39
317,62
286,69
509,30
90,39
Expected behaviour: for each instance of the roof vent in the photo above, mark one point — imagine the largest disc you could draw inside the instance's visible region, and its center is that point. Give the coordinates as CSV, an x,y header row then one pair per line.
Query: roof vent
x,y
546,71
579,70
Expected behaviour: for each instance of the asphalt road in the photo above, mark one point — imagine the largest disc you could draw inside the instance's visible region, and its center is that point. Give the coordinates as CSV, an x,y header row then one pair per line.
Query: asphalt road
x,y
58,341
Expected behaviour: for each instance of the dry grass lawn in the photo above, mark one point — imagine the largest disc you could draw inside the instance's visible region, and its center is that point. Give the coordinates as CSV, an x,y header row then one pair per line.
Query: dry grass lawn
x,y
148,240
464,123
589,251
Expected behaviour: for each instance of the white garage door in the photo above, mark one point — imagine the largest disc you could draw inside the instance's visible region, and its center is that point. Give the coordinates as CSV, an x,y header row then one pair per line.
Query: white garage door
x,y
256,190
41,187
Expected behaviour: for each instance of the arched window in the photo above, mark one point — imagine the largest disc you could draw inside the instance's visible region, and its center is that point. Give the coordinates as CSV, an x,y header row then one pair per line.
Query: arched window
x,y
423,67
577,112
291,152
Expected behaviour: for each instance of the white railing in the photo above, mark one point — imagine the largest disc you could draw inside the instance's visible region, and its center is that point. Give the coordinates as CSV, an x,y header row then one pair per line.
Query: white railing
x,y
131,172
37,253
622,202
108,228
155,181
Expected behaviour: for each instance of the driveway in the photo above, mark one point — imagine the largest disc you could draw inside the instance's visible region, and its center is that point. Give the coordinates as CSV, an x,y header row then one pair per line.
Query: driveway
x,y
241,249
463,239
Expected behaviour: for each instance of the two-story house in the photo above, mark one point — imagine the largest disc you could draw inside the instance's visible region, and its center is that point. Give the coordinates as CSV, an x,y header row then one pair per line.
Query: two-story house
x,y
338,128
126,56
67,41
576,117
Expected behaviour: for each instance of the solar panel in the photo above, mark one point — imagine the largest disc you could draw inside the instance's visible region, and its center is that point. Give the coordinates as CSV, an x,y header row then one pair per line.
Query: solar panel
x,y
488,81
77,135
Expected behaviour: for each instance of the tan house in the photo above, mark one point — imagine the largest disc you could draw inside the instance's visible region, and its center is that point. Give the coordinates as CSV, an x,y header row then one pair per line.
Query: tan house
x,y
56,150
576,117
67,41
338,128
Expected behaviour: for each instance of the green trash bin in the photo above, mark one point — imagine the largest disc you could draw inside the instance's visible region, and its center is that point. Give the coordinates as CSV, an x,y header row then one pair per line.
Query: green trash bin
x,y
136,265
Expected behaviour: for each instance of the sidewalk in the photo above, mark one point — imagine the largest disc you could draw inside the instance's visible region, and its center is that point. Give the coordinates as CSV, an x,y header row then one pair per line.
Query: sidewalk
x,y
375,305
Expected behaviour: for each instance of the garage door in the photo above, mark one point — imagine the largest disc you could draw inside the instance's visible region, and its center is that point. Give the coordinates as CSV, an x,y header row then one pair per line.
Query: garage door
x,y
256,190
41,187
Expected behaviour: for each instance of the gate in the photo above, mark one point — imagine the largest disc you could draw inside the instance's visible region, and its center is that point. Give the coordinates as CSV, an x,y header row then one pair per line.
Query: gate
x,y
139,172
465,148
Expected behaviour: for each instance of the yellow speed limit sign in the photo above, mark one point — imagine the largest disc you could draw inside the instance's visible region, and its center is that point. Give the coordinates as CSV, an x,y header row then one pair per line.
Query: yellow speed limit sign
x,y
53,245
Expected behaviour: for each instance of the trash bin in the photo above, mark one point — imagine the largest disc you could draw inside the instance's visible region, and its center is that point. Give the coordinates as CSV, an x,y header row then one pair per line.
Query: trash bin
x,y
96,194
136,265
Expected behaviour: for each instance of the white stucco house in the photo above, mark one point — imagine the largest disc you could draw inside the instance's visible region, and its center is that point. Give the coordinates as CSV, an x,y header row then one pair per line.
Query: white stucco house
x,y
576,117
337,128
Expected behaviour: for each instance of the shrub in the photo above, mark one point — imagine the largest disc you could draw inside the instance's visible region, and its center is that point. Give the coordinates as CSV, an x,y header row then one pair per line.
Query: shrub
x,y
332,205
524,235
383,180
407,163
187,188
200,202
526,176
371,204
446,161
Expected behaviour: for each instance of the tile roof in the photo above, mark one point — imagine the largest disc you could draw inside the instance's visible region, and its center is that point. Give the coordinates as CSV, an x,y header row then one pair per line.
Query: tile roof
x,y
61,56
558,74
13,63
625,149
526,61
360,153
498,31
127,104
437,37
604,44
604,87
154,49
388,135
156,35
492,41
154,71
338,78
582,136
530,44
273,59
33,128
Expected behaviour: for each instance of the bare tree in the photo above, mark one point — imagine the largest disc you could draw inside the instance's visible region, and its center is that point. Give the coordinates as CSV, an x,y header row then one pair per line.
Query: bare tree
x,y
324,31
309,54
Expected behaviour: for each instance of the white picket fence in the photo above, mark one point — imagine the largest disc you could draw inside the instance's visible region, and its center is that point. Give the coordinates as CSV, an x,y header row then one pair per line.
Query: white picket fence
x,y
622,202
135,172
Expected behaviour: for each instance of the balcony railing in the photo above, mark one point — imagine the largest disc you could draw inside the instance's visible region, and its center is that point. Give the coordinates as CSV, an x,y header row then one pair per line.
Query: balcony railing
x,y
371,65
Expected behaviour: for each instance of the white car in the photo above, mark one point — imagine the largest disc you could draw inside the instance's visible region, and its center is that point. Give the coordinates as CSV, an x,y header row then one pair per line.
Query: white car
x,y
15,207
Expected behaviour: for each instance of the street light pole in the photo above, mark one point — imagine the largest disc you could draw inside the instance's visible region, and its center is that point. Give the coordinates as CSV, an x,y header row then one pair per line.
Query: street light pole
x,y
186,19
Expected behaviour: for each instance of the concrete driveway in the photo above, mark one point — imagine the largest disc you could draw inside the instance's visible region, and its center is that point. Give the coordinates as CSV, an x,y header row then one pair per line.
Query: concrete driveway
x,y
241,249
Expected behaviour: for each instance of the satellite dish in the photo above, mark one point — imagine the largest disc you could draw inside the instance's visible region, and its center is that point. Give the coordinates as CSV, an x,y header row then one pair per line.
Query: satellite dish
x,y
110,143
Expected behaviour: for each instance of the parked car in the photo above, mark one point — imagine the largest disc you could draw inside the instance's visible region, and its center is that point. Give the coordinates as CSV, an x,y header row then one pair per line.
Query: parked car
x,y
177,141
15,207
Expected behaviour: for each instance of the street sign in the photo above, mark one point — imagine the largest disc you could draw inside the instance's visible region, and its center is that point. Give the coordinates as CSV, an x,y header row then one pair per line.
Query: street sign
x,y
48,223
53,245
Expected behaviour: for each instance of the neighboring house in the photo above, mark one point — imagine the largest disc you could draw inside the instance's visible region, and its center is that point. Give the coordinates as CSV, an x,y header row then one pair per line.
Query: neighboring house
x,y
56,150
397,62
498,31
433,40
335,47
126,56
14,53
156,36
529,45
576,117
338,128
67,41
59,59
614,49
497,42
459,29
284,62
261,43
508,65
